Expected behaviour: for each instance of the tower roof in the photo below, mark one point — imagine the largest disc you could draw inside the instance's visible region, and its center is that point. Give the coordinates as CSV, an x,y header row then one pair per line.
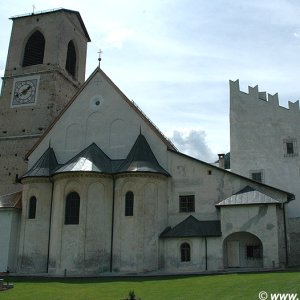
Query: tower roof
x,y
44,12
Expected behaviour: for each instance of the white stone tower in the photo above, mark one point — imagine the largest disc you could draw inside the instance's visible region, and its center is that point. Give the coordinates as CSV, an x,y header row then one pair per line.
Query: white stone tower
x,y
44,69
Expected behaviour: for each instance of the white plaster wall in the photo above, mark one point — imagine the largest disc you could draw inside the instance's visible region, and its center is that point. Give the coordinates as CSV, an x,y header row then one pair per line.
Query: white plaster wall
x,y
82,248
34,233
9,232
190,176
136,238
260,220
213,259
113,125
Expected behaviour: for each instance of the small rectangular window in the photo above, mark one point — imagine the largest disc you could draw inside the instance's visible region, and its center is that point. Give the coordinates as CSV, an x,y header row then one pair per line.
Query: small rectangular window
x,y
187,203
257,175
290,147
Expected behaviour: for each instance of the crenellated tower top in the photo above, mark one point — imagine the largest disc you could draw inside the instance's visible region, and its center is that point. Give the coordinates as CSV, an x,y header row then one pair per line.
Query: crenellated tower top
x,y
255,94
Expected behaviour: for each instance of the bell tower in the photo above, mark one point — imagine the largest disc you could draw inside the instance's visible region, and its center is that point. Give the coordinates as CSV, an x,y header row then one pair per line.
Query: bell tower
x,y
44,69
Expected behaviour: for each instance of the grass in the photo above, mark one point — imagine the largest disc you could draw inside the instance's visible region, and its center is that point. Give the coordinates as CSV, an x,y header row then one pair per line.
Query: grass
x,y
230,286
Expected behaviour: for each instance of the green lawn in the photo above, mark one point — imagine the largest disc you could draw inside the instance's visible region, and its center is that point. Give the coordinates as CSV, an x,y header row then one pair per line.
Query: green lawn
x,y
231,286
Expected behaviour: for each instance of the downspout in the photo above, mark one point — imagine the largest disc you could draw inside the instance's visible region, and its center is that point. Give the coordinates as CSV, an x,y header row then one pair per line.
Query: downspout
x,y
50,222
205,238
285,237
112,225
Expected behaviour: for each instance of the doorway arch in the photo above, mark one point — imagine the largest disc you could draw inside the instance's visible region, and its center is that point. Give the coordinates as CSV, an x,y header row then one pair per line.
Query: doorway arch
x,y
242,250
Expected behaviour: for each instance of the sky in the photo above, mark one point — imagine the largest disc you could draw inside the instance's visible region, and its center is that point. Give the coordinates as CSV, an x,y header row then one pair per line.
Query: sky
x,y
174,58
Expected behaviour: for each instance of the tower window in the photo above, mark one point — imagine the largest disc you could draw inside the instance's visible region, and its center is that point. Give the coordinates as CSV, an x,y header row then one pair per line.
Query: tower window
x,y
34,50
71,59
129,199
290,147
32,208
185,252
72,208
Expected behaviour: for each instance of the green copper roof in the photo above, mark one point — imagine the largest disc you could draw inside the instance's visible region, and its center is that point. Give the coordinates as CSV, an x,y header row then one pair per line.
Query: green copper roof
x,y
141,159
91,159
248,196
45,166
191,227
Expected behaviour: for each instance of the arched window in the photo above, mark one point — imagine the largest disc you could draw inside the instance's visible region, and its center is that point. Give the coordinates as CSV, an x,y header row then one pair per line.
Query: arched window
x,y
71,59
32,208
34,50
185,252
129,198
72,208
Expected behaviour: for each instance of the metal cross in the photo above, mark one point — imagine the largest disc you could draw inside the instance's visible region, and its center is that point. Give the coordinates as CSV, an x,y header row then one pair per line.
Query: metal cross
x,y
99,58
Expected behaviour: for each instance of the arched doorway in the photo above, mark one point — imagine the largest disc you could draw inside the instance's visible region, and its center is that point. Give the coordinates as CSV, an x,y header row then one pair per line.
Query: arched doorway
x,y
243,250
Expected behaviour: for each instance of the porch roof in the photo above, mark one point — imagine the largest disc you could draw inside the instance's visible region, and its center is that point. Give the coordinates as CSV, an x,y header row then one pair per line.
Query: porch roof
x,y
248,196
191,227
11,200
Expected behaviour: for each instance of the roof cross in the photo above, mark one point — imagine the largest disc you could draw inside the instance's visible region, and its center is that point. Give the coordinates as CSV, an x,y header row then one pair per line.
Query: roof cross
x,y
99,58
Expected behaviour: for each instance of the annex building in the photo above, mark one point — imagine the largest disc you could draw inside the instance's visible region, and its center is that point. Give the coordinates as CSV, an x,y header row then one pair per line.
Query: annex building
x,y
90,185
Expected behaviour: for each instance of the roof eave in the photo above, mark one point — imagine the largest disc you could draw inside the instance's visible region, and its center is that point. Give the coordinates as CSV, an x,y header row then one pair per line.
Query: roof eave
x,y
53,11
290,196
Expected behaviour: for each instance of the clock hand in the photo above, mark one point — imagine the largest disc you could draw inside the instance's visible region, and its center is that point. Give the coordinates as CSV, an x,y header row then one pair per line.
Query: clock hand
x,y
26,90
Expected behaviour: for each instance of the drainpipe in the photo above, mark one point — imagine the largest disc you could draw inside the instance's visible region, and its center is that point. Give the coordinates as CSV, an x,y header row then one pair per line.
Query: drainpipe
x,y
205,239
112,225
285,237
50,222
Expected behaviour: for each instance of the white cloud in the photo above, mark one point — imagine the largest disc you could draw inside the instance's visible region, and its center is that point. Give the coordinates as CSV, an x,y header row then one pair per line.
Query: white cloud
x,y
193,143
116,35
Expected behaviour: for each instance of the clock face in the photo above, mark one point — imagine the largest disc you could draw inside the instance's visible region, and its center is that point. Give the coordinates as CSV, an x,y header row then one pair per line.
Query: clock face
x,y
25,92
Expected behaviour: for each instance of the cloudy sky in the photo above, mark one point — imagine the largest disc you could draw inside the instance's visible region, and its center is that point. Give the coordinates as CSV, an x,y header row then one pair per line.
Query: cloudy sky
x,y
174,58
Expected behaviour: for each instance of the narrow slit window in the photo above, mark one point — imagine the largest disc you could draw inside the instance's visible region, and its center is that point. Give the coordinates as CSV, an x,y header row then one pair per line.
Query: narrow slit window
x,y
72,209
32,208
129,201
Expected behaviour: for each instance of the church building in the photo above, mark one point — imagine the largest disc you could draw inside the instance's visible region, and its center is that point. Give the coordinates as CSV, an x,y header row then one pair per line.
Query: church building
x,y
98,188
